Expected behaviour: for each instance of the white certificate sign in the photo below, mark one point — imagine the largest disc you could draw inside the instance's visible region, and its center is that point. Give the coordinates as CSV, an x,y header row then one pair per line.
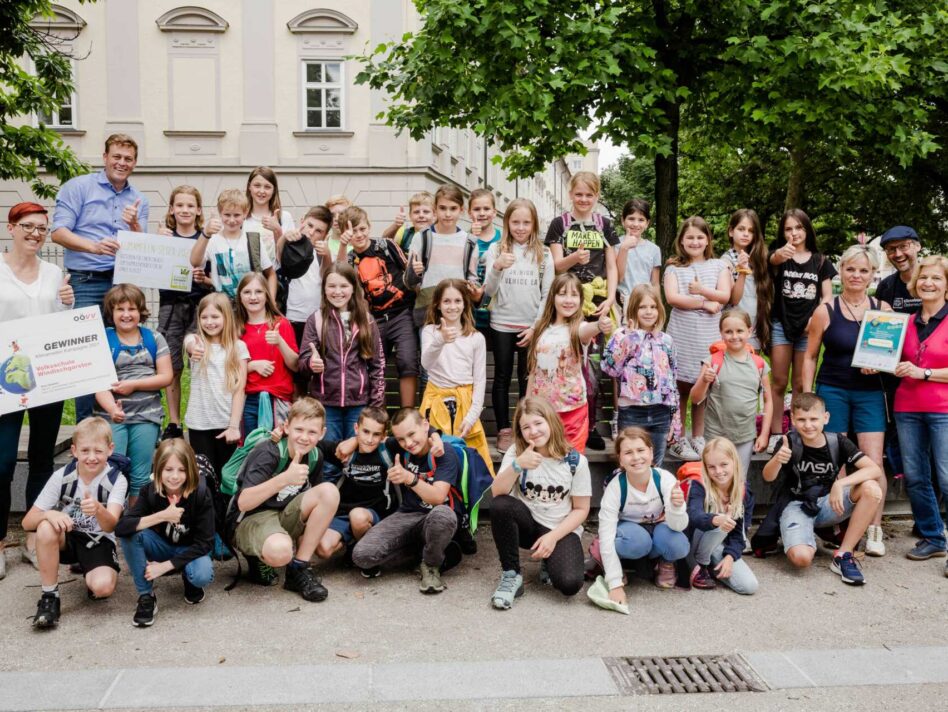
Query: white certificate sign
x,y
49,358
880,342
155,261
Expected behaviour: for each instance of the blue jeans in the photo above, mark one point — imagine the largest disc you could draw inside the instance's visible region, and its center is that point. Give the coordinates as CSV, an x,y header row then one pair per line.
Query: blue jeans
x,y
147,545
707,549
137,442
923,438
656,419
340,425
634,541
89,289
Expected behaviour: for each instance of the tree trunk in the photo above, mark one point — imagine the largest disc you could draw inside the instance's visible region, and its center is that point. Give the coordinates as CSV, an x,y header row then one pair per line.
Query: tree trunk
x,y
795,181
666,186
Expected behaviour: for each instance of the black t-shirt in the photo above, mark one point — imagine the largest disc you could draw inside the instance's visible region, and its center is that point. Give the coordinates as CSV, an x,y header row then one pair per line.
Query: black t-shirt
x,y
799,290
429,468
584,234
261,465
817,464
365,484
381,270
895,292
198,291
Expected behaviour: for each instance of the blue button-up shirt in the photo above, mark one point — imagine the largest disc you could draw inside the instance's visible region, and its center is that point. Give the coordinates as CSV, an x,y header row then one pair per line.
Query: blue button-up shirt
x,y
91,208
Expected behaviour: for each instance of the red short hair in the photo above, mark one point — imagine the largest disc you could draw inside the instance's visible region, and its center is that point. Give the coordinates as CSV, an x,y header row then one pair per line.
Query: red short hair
x,y
21,209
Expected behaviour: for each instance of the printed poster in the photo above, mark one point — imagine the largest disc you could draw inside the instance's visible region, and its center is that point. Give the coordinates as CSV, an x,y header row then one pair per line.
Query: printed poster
x,y
880,342
49,358
156,261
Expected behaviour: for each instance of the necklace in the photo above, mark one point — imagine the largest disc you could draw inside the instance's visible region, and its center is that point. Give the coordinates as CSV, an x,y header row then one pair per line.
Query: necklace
x,y
852,307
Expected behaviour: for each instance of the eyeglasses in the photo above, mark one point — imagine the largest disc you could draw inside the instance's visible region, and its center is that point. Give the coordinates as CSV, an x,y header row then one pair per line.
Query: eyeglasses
x,y
28,228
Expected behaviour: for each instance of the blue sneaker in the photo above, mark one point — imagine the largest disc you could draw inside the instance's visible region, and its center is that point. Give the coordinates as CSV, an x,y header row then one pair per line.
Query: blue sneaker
x,y
847,568
924,549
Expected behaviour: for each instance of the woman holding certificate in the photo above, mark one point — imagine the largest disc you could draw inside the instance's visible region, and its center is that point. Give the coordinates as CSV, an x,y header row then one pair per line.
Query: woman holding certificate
x,y
921,404
854,397
29,286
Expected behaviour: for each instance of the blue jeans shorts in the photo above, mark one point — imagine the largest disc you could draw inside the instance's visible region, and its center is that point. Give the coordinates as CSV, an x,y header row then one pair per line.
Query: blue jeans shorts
x,y
865,410
778,338
796,526
341,524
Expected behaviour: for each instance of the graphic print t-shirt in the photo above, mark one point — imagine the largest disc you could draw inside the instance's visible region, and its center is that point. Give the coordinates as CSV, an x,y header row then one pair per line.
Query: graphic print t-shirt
x,y
816,463
584,234
381,270
428,468
799,290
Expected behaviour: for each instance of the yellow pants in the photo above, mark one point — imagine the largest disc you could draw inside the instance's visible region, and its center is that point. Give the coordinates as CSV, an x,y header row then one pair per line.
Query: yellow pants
x,y
433,408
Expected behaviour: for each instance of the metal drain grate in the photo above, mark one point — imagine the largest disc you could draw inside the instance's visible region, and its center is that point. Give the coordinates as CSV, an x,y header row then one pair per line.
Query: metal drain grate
x,y
695,673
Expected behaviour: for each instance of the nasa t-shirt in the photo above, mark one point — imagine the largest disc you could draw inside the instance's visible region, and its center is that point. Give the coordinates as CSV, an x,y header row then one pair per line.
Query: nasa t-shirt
x,y
816,463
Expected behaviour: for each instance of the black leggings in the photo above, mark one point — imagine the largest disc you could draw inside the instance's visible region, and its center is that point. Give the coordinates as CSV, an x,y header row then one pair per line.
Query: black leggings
x,y
205,442
514,528
505,346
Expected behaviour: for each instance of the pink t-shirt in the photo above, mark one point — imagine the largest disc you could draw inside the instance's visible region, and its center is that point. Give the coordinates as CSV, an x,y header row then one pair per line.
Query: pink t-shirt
x,y
558,376
280,382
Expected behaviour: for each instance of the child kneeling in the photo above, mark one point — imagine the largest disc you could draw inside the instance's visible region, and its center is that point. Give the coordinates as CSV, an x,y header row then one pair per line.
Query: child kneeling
x,y
642,514
541,499
288,507
74,518
812,495
169,528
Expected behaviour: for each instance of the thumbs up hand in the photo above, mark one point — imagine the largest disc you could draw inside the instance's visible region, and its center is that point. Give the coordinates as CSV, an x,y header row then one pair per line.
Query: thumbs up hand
x,y
582,256
417,267
529,459
293,235
503,261
677,495
213,226
196,348
316,364
346,235
708,373
297,473
477,227
172,513
696,287
272,336
605,324
784,454
271,222
130,214
88,506
65,294
448,333
397,474
321,248
400,216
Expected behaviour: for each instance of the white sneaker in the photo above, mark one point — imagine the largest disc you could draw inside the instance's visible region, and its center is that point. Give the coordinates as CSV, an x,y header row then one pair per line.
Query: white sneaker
x,y
775,442
682,450
697,444
874,543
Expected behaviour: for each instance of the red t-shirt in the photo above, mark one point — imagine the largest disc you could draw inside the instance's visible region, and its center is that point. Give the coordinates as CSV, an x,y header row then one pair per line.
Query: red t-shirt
x,y
280,382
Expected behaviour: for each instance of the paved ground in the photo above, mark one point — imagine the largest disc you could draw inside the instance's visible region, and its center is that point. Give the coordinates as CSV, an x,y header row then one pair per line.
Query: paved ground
x,y
363,636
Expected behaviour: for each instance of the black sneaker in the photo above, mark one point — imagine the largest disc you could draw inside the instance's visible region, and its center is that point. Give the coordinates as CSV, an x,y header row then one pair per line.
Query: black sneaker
x,y
172,431
302,580
371,573
145,610
47,611
259,573
192,594
595,441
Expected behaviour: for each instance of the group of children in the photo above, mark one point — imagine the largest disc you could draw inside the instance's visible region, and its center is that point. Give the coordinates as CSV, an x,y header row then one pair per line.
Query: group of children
x,y
288,328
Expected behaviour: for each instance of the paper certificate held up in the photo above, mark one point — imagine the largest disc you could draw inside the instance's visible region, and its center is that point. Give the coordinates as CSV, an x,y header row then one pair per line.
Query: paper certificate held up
x,y
880,342
156,261
49,358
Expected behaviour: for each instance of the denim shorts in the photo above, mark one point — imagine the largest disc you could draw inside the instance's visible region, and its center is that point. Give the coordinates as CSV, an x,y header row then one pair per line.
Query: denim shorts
x,y
778,338
796,526
341,524
865,410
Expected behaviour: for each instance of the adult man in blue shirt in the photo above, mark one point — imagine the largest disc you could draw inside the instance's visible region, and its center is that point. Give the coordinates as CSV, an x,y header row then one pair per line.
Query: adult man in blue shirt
x,y
90,210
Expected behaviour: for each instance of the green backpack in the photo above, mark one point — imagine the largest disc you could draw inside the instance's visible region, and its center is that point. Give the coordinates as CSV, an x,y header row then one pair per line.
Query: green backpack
x,y
230,473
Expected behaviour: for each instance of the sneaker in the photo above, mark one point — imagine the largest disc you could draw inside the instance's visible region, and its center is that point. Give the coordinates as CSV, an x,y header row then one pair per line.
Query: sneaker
x,y
28,556
874,543
371,573
47,611
505,439
544,574
614,424
509,588
302,580
924,549
192,594
260,573
697,444
682,450
702,578
848,569
145,610
430,579
172,431
595,441
774,444
665,574
3,565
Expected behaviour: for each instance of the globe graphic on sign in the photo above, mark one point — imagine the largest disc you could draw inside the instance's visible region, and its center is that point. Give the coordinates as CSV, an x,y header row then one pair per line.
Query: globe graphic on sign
x,y
16,375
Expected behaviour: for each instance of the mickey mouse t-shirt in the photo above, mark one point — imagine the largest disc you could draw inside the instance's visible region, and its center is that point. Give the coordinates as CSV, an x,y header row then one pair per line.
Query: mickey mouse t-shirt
x,y
799,289
548,490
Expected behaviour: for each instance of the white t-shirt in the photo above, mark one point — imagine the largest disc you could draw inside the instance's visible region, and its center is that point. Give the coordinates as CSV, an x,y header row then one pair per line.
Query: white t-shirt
x,y
639,263
49,499
210,402
305,293
19,300
267,240
550,488
230,260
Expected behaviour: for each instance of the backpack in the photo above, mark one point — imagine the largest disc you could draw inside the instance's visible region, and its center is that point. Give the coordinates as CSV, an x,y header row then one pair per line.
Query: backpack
x,y
624,485
475,480
718,349
567,219
219,499
118,465
231,472
571,459
148,342
426,250
796,456
689,472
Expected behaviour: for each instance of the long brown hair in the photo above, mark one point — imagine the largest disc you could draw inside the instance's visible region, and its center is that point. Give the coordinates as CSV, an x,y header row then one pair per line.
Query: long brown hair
x,y
170,221
681,258
273,311
558,446
561,283
761,268
434,309
175,447
533,243
270,177
358,311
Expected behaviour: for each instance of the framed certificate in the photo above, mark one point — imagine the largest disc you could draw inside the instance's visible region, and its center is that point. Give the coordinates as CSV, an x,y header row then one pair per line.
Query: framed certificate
x,y
880,342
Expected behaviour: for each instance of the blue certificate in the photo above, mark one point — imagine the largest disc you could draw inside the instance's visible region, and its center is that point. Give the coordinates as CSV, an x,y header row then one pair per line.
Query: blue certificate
x,y
881,338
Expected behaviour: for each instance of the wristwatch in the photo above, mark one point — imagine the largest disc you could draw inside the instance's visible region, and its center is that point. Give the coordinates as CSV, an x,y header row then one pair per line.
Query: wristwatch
x,y
928,373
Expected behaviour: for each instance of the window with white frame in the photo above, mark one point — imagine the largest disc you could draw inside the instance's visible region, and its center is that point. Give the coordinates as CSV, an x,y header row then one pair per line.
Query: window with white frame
x,y
64,116
323,95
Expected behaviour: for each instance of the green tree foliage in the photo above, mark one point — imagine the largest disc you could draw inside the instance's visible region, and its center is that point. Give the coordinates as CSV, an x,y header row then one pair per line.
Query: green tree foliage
x,y
27,151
